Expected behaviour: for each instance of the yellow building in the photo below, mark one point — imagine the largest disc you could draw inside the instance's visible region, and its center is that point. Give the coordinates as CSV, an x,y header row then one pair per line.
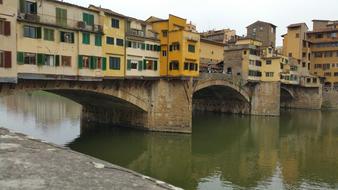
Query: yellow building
x,y
58,40
143,50
179,47
211,55
8,41
113,42
324,48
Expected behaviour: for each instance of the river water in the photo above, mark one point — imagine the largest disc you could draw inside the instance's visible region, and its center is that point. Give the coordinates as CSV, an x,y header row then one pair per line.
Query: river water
x,y
298,150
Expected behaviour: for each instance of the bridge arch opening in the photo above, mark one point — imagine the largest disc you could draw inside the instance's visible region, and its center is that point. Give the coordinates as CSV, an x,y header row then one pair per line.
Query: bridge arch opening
x,y
286,97
224,98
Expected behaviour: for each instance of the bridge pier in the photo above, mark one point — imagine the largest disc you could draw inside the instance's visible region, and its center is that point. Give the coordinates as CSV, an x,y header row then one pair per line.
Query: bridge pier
x,y
169,109
265,99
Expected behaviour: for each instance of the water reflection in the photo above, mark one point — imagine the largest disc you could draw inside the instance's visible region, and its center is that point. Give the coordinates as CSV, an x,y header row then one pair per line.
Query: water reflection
x,y
41,115
299,150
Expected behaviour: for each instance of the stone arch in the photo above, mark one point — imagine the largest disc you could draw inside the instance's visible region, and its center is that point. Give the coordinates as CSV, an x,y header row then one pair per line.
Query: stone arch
x,y
288,91
69,89
209,83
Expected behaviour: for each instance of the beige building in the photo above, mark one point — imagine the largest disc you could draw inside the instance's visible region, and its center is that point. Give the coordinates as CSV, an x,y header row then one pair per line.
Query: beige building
x,y
58,40
211,56
264,32
324,51
222,36
243,60
143,49
8,10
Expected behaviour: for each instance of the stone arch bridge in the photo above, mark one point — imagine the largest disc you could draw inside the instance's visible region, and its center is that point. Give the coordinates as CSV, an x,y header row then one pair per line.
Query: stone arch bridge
x,y
163,104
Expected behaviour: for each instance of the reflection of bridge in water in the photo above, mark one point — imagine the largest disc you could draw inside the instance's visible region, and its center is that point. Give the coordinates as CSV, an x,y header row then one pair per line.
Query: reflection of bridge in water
x,y
246,151
167,104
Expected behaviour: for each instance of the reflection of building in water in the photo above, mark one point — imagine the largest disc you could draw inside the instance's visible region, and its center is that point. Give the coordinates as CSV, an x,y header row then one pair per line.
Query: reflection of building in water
x,y
308,147
247,152
45,108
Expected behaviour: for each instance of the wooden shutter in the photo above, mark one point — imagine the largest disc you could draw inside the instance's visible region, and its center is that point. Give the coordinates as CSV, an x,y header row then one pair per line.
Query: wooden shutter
x,y
80,62
7,28
20,58
104,63
38,32
140,65
91,63
72,35
40,59
128,64
22,6
155,65
8,59
57,60
144,64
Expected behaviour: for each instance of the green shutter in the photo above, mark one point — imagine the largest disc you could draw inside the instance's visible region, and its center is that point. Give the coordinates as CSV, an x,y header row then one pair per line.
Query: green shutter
x,y
22,6
85,38
80,62
98,40
20,58
40,59
91,19
155,66
143,46
91,63
144,64
140,65
57,60
104,64
85,17
128,64
38,32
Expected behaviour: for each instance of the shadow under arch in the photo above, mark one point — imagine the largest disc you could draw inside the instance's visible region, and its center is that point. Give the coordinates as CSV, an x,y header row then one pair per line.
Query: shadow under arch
x,y
221,96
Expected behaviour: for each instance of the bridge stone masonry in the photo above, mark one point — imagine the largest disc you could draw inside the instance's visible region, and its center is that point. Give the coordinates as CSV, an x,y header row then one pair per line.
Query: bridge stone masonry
x,y
167,104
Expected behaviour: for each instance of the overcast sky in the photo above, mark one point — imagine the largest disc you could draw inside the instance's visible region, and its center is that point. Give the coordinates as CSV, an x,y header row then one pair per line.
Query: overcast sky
x,y
218,14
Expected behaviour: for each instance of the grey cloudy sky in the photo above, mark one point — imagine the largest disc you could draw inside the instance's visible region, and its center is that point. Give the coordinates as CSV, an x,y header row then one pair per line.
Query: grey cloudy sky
x,y
218,14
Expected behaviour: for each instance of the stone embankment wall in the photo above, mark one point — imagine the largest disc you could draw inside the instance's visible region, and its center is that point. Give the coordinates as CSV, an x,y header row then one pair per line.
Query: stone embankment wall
x,y
266,99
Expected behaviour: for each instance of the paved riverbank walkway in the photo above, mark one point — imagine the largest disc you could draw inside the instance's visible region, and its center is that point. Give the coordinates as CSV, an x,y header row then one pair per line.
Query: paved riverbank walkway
x,y
29,164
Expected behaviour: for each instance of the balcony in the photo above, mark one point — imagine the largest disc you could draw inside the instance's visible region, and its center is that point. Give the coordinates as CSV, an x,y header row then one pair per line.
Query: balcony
x,y
54,22
142,34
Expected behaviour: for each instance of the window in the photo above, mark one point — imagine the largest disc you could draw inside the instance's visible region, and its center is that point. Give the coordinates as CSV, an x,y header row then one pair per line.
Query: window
x,y
85,61
268,62
61,16
165,33
336,74
303,55
318,66
244,52
5,59
318,54
269,74
134,64
174,65
66,61
186,66
114,63
110,41
319,35
326,66
115,23
303,64
191,48
174,46
164,53
28,7
32,32
43,59
67,37
258,63
98,39
193,67
48,34
119,42
85,38
30,58
5,28
88,19
290,54
328,54
297,35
